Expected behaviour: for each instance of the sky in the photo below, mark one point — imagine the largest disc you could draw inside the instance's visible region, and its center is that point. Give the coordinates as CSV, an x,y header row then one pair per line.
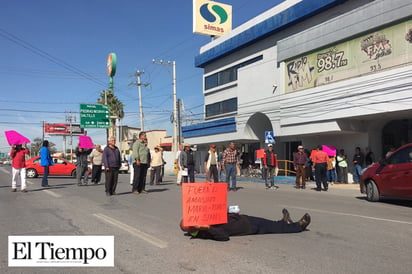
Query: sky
x,y
54,57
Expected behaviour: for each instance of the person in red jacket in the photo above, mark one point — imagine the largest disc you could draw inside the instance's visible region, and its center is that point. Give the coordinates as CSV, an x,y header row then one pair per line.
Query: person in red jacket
x,y
270,163
320,160
241,225
18,154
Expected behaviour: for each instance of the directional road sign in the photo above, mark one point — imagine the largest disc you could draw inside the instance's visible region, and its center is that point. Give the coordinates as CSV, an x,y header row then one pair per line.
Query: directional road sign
x,y
94,116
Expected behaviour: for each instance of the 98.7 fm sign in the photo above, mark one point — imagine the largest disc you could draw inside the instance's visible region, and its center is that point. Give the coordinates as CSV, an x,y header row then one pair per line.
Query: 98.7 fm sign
x,y
94,116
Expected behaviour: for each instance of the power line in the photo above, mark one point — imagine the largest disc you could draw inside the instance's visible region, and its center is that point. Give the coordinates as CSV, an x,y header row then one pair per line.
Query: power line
x,y
11,37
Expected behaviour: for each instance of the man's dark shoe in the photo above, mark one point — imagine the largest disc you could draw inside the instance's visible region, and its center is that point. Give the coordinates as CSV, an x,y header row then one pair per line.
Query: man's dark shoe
x,y
286,216
13,190
304,221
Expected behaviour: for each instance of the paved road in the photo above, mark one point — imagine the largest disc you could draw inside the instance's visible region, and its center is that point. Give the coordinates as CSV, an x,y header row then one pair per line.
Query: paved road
x,y
347,234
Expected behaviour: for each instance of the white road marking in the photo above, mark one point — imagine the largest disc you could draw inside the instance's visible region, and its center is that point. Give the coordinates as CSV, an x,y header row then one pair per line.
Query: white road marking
x,y
353,215
136,232
51,193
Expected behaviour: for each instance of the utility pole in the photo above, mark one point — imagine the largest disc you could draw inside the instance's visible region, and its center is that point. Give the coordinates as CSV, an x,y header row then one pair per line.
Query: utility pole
x,y
175,129
139,84
179,121
70,119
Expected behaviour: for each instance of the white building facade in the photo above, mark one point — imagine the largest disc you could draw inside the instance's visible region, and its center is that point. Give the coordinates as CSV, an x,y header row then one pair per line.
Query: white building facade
x,y
329,72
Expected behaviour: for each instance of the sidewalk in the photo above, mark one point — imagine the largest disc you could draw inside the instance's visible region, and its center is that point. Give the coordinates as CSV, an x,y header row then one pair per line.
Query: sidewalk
x,y
279,180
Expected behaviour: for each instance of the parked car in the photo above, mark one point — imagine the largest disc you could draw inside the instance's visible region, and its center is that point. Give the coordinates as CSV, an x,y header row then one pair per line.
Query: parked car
x,y
124,168
61,167
391,177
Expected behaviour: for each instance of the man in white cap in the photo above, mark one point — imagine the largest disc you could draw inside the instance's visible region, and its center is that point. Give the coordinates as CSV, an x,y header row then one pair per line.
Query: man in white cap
x,y
270,163
300,159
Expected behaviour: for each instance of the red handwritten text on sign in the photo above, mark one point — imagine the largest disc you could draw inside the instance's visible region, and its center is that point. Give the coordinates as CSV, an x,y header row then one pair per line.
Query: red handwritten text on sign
x,y
204,203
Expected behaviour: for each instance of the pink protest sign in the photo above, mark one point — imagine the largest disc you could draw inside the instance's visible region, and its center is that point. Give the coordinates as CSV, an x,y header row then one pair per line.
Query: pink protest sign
x,y
15,138
85,142
330,150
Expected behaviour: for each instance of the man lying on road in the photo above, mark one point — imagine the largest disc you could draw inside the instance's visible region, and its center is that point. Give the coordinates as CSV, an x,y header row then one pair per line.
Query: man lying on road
x,y
240,225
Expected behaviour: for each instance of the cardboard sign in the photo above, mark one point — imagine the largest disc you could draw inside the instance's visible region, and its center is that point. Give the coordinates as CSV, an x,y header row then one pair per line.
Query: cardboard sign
x,y
85,142
204,203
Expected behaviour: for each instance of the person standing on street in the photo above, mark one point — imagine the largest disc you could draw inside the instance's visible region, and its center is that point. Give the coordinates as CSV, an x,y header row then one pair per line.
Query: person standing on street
x,y
369,157
82,170
358,160
177,163
320,160
221,170
229,165
342,162
96,160
270,163
300,160
112,163
211,165
45,161
188,164
18,154
140,164
156,162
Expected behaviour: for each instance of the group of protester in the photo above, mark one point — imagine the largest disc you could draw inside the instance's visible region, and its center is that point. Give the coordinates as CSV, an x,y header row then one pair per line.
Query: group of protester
x,y
109,159
328,169
18,154
237,224
213,164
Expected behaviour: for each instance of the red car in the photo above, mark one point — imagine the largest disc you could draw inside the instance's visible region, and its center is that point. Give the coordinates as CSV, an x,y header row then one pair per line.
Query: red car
x,y
61,167
391,177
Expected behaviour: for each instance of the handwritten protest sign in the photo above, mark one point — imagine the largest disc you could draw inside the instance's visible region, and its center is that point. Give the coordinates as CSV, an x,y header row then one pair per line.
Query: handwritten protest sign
x,y
204,203
85,142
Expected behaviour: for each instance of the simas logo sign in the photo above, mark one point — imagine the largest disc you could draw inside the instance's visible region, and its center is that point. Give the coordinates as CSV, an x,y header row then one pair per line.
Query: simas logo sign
x,y
61,251
211,18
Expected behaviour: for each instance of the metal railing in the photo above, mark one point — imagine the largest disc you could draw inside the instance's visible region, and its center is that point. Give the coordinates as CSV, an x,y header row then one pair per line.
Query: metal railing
x,y
285,168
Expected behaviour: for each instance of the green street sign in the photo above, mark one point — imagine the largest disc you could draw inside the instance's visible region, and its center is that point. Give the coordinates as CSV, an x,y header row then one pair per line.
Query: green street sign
x,y
94,116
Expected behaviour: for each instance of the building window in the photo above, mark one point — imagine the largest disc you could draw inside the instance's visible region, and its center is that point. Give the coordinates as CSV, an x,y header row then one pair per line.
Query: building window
x,y
228,75
222,107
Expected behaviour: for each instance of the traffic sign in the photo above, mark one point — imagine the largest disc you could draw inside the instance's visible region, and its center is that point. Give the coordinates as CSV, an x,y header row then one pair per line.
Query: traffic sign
x,y
269,137
94,116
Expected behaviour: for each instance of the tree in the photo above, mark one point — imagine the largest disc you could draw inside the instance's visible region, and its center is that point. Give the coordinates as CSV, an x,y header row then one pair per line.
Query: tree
x,y
37,144
115,106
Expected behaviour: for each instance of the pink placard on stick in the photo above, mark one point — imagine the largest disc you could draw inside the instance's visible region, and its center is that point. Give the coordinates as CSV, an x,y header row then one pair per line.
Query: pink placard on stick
x,y
85,142
15,138
330,150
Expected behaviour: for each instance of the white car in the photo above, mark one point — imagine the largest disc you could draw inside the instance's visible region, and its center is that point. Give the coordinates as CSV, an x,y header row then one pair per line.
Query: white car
x,y
124,168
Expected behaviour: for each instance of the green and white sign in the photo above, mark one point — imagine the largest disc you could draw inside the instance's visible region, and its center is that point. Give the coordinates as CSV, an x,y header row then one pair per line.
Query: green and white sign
x,y
94,116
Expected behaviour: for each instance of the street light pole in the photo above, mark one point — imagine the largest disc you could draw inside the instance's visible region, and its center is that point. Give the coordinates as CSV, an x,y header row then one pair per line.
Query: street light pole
x,y
175,129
